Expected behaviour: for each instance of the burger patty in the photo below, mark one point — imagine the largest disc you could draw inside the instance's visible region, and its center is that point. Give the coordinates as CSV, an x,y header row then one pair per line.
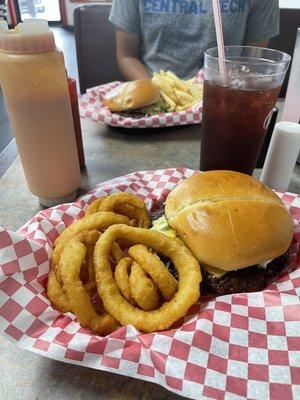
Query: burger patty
x,y
251,279
158,213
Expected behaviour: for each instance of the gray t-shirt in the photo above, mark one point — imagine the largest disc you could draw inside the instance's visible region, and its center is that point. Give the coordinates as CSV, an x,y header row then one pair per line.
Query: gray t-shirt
x,y
175,33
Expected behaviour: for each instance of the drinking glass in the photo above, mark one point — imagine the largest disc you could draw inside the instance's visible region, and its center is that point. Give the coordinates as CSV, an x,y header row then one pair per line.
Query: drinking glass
x,y
238,105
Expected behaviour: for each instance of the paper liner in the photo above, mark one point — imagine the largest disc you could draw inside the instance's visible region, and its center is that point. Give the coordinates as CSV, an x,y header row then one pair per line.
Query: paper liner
x,y
233,347
91,107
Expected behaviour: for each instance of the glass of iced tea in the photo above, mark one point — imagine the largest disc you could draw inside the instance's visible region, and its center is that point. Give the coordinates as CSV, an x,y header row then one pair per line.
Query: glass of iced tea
x,y
238,105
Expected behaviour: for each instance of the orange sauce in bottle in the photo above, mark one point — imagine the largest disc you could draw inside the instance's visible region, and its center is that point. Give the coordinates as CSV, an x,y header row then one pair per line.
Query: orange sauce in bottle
x,y
35,89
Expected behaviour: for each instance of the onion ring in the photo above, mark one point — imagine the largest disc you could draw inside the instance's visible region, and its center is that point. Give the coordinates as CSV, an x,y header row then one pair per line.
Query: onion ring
x,y
56,294
123,209
159,273
89,271
121,276
188,285
117,253
71,259
124,200
89,238
94,206
143,289
55,290
97,221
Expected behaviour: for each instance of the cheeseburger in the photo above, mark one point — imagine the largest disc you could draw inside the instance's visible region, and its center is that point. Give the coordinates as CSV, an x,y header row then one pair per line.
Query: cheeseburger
x,y
133,96
237,228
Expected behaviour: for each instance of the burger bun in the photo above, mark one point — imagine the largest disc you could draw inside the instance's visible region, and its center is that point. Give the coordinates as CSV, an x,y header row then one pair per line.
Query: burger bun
x,y
132,96
229,220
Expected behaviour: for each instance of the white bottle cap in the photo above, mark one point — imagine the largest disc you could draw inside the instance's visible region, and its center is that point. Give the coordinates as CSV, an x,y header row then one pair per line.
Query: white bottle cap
x,y
33,27
30,36
3,26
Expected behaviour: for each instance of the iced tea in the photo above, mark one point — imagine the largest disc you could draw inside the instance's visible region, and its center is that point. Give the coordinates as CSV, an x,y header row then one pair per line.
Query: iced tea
x,y
238,105
234,126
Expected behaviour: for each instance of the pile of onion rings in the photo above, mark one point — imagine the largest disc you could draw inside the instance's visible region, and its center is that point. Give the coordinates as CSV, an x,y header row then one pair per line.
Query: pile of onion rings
x,y
112,252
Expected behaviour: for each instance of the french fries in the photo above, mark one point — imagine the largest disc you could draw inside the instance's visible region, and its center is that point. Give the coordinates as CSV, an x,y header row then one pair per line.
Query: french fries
x,y
177,94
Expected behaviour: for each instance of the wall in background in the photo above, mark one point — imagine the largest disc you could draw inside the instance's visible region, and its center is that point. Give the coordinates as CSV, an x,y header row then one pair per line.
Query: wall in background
x,y
289,4
70,6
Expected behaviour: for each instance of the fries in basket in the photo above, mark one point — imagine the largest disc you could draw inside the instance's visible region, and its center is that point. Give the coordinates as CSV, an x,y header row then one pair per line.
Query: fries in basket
x,y
165,92
177,94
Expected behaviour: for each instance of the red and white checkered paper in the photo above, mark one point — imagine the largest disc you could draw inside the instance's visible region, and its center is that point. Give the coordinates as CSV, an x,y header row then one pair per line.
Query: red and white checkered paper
x,y
91,107
242,346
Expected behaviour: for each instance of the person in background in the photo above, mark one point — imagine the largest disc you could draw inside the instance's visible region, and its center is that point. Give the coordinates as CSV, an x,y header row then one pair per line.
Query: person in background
x,y
173,34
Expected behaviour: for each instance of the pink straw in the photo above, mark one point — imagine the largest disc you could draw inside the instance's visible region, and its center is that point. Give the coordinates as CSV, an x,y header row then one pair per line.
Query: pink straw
x,y
220,38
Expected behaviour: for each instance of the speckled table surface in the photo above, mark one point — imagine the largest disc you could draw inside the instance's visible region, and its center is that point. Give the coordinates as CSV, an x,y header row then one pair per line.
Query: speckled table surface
x,y
109,153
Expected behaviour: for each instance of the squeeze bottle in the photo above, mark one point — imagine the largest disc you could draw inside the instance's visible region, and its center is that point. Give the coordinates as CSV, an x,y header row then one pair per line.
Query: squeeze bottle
x,y
34,84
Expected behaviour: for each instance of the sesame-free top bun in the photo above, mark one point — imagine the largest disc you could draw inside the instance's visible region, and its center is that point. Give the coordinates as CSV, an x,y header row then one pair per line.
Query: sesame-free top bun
x,y
229,220
133,95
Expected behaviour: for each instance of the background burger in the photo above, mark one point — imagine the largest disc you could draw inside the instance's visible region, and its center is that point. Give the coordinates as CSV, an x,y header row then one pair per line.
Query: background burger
x,y
134,96
237,228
